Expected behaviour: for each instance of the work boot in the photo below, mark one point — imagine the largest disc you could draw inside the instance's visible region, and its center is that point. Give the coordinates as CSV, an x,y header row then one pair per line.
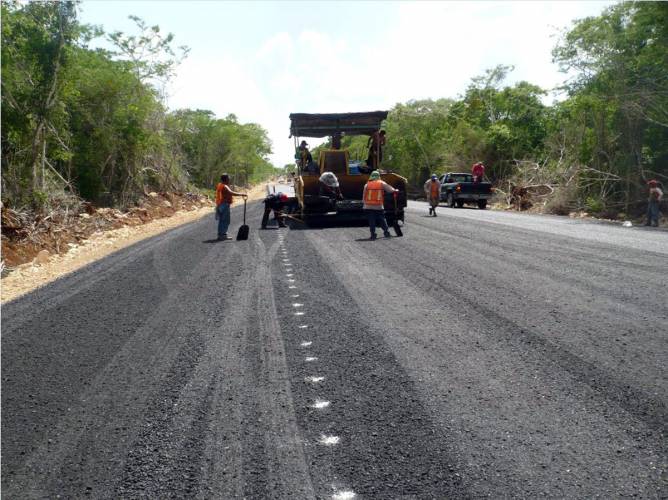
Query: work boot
x,y
434,213
387,234
373,236
430,211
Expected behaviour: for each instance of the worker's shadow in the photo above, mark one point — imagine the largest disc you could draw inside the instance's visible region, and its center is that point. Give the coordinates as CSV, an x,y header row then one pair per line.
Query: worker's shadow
x,y
215,240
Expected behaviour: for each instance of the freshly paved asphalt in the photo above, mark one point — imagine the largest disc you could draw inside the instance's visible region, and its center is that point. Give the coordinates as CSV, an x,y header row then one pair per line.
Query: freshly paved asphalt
x,y
484,354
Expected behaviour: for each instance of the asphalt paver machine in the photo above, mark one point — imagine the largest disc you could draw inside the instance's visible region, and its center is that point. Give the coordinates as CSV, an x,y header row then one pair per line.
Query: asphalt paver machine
x,y
313,204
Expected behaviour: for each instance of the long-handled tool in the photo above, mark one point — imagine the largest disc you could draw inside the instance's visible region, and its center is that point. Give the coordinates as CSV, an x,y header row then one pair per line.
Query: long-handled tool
x,y
294,218
397,228
243,230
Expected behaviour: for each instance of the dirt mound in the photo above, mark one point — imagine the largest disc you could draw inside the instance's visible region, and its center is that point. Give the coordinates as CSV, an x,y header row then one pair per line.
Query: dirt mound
x,y
27,236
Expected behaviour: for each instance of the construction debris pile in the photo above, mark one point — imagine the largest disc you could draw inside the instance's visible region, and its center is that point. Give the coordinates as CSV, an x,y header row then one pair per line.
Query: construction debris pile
x,y
33,237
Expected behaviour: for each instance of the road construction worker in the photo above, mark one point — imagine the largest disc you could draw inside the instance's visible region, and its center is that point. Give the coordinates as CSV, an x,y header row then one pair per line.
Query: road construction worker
x,y
478,171
224,198
304,158
375,144
275,202
655,195
432,188
329,186
373,195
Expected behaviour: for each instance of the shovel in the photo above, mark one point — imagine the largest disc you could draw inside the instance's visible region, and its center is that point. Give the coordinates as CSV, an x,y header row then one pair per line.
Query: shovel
x,y
294,218
397,228
243,230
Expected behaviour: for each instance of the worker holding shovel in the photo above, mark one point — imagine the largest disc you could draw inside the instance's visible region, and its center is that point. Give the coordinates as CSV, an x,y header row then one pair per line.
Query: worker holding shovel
x,y
373,196
224,198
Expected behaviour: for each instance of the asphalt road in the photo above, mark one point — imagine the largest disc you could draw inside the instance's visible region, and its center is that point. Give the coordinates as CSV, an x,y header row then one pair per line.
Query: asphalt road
x,y
483,354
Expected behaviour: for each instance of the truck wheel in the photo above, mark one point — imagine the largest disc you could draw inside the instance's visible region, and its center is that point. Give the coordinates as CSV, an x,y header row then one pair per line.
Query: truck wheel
x,y
451,200
482,204
460,203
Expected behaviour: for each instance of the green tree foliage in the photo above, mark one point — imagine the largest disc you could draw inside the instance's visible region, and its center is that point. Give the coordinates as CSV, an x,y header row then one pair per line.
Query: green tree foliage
x,y
618,99
93,121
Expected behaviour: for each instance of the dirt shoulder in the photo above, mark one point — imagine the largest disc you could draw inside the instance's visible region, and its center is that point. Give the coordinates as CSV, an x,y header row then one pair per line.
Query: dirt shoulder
x,y
58,248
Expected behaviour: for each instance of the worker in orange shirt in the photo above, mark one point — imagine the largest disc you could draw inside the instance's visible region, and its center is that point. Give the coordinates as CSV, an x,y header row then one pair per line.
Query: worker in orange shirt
x,y
224,197
373,195
432,188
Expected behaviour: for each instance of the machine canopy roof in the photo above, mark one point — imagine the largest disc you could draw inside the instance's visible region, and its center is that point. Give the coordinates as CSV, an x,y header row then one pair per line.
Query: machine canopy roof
x,y
325,124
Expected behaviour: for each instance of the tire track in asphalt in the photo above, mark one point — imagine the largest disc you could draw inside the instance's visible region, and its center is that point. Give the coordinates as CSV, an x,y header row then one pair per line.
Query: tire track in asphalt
x,y
387,445
450,344
637,401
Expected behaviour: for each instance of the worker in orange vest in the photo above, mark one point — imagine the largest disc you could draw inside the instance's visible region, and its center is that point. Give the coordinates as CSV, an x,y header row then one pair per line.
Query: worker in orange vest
x,y
373,195
223,203
432,188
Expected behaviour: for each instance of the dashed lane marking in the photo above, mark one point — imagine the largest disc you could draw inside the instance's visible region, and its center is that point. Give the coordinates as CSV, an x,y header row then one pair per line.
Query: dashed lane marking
x,y
344,495
310,359
306,343
329,440
297,304
303,326
314,380
299,314
319,404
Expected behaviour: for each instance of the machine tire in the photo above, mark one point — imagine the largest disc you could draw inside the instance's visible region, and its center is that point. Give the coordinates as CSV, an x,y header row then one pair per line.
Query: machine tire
x,y
450,200
482,204
460,203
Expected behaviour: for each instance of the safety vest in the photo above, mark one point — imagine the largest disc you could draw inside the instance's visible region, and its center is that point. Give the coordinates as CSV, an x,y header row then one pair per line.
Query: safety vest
x,y
434,189
374,193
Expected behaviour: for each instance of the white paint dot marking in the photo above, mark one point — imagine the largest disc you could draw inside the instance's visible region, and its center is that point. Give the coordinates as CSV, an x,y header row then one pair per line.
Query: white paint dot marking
x,y
329,440
320,404
299,314
291,281
297,304
314,380
303,326
310,359
289,275
294,296
306,343
344,495
292,286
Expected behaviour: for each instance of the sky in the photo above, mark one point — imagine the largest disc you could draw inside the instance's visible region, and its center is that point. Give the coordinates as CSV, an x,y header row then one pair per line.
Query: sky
x,y
265,60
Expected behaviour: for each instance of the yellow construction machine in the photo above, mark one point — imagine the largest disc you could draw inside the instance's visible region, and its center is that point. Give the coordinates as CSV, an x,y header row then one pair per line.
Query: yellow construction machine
x,y
313,203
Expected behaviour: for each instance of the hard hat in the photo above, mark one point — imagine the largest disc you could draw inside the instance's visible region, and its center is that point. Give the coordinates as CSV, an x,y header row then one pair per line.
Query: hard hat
x,y
434,176
652,182
374,176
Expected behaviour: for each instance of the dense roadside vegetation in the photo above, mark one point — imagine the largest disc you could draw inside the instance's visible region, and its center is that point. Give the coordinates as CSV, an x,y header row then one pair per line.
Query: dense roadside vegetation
x,y
91,123
592,150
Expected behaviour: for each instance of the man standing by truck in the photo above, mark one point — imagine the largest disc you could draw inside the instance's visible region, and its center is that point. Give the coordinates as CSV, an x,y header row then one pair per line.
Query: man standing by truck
x,y
373,195
478,171
432,188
